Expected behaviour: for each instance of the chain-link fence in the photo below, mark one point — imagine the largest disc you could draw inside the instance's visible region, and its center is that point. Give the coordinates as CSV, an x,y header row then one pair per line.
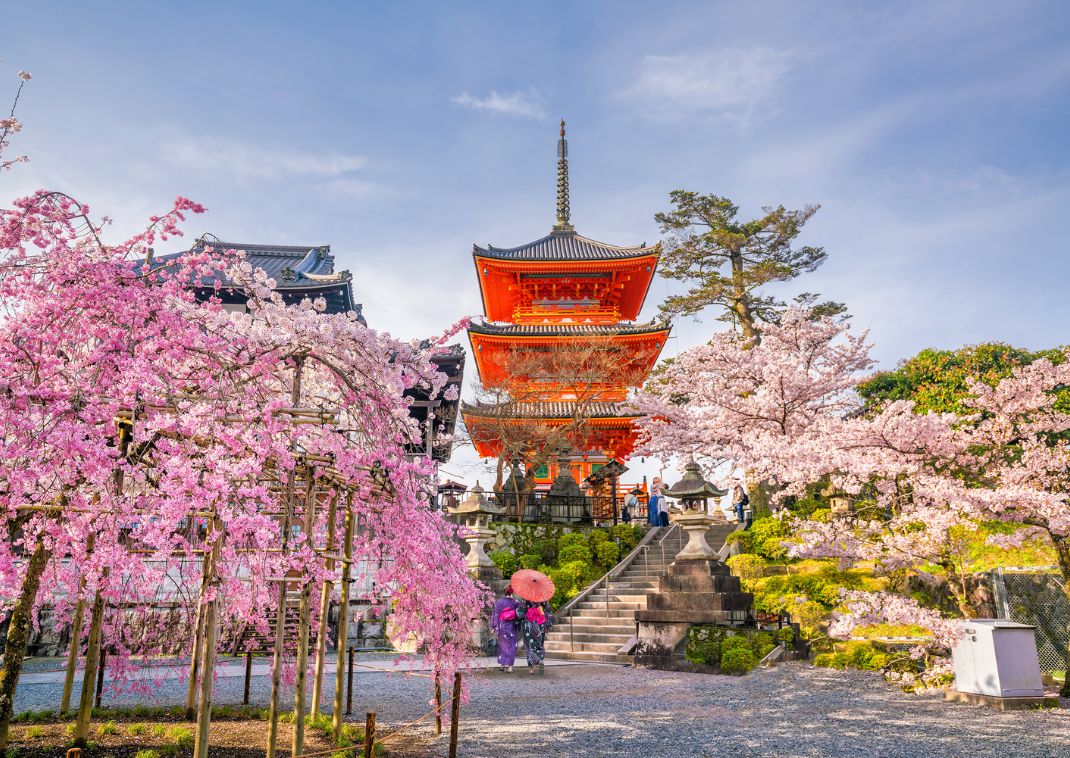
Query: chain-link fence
x,y
1036,598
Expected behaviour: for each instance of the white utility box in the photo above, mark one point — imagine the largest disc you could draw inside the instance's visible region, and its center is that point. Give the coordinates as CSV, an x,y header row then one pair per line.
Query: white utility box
x,y
997,657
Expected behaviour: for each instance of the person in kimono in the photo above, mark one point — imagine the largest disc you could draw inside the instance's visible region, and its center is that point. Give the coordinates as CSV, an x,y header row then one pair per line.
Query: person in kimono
x,y
504,622
535,619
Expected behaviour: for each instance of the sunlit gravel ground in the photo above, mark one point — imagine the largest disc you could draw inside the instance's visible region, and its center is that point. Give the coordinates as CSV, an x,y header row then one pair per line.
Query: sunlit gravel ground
x,y
790,710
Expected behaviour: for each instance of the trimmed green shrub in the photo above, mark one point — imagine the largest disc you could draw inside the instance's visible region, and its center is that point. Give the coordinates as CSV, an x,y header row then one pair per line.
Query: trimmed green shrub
x,y
734,642
747,566
569,539
737,660
628,535
607,553
597,537
574,553
530,561
505,561
545,548
785,634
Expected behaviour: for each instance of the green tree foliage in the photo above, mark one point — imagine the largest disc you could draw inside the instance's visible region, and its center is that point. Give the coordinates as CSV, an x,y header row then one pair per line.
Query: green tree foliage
x,y
726,260
938,380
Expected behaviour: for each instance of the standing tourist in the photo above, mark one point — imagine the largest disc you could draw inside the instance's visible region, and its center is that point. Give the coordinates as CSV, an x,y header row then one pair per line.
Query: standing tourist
x,y
631,504
503,622
653,506
739,502
535,620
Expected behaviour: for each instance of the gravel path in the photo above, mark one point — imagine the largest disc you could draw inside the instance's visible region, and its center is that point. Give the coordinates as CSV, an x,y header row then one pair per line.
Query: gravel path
x,y
582,710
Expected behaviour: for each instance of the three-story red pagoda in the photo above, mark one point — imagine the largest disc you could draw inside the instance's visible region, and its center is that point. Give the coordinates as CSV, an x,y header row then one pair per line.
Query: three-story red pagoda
x,y
563,292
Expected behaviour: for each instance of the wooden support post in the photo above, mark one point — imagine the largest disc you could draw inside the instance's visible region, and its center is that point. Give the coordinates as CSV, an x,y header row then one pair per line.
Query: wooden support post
x,y
280,617
100,675
455,714
72,656
349,688
325,605
438,704
76,637
74,752
198,643
89,675
303,623
248,676
369,735
204,705
343,620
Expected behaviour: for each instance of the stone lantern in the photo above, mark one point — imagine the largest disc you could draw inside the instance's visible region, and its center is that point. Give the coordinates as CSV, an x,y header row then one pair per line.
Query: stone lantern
x,y
474,515
696,589
693,491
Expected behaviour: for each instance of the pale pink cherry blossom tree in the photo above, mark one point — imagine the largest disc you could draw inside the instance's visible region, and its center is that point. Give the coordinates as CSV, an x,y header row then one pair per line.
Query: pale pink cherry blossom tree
x,y
761,406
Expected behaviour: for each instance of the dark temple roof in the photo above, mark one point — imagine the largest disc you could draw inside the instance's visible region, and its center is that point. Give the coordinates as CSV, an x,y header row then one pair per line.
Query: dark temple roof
x,y
563,246
539,330
299,271
554,410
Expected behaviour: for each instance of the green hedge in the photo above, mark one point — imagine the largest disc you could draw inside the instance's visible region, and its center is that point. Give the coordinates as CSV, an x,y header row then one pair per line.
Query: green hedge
x,y
732,650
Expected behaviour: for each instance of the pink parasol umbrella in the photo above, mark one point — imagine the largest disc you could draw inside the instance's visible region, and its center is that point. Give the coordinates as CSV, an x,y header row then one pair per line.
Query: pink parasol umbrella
x,y
532,585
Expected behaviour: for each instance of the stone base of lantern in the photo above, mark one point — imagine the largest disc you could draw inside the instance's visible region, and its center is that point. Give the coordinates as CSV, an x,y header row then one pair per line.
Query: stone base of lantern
x,y
693,592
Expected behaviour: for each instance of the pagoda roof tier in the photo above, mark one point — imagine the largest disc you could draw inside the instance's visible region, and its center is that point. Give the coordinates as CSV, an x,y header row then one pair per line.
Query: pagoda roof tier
x,y
594,290
564,246
600,426
566,329
499,350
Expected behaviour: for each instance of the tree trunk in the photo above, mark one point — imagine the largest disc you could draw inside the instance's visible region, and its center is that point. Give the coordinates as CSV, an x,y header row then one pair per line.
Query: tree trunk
x,y
207,653
18,634
1062,550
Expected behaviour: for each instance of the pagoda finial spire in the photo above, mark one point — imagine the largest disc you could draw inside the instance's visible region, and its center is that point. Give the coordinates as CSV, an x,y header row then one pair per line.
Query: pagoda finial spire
x,y
563,211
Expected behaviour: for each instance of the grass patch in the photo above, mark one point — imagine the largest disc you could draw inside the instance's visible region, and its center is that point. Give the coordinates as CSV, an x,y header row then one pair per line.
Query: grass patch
x,y
107,728
34,732
136,730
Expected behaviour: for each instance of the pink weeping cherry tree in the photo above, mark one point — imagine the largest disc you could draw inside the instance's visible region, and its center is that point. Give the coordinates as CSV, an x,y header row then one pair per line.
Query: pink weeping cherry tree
x,y
129,411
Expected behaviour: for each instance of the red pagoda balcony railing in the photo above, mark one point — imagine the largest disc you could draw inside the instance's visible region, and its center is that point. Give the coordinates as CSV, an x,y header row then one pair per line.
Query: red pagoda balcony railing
x,y
528,314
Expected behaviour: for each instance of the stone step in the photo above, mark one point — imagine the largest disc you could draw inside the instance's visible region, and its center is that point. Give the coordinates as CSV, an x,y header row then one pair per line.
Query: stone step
x,y
612,605
577,637
585,647
586,655
561,630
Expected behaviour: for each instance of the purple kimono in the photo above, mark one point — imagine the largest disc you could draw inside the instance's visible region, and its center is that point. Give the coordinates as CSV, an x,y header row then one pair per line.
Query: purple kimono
x,y
505,630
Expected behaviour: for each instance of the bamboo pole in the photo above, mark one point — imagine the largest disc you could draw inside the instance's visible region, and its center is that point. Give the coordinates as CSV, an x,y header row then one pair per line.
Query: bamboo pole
x,y
325,602
280,617
303,624
204,706
343,619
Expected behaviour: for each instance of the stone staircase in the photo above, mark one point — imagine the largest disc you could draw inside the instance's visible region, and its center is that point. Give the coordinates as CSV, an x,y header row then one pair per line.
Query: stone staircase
x,y
602,621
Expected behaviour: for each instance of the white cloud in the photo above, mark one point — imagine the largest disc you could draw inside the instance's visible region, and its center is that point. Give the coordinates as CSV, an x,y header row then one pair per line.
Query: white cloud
x,y
522,104
247,161
735,84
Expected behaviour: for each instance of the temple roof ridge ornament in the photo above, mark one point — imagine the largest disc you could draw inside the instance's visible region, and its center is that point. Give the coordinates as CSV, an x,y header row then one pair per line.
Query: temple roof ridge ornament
x,y
564,211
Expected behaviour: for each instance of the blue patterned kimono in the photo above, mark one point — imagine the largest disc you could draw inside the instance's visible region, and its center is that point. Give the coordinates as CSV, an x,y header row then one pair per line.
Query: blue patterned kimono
x,y
534,631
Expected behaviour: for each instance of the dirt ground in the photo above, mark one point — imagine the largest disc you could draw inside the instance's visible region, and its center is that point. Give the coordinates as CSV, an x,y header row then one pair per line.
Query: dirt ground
x,y
227,738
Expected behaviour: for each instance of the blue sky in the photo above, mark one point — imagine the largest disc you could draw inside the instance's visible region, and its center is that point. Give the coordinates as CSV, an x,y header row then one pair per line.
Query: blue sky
x,y
933,134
